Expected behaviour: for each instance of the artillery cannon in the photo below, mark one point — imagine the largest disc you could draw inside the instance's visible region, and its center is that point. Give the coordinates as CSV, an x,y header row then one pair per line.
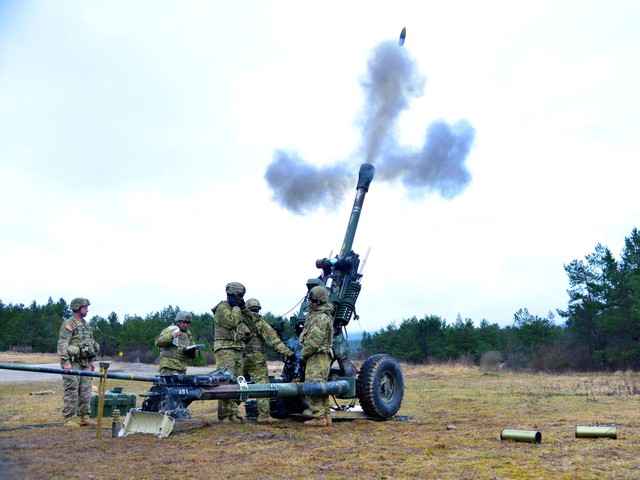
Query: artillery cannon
x,y
379,382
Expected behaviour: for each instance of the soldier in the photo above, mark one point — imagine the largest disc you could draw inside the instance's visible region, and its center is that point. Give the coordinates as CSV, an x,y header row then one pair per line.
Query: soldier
x,y
173,342
316,339
231,330
77,351
255,361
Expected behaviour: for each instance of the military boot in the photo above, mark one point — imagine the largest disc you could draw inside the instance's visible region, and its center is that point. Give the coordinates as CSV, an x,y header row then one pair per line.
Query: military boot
x,y
316,422
86,421
71,422
327,419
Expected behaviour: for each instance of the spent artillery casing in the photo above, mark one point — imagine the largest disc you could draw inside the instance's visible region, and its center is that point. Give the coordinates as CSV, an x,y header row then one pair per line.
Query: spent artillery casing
x,y
597,432
529,436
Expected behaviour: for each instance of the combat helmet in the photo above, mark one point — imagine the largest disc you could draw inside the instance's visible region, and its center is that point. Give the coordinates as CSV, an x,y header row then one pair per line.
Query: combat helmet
x,y
254,305
319,293
78,303
183,316
235,288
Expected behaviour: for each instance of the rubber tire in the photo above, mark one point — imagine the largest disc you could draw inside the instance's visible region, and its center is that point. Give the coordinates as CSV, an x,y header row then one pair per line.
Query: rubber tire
x,y
380,386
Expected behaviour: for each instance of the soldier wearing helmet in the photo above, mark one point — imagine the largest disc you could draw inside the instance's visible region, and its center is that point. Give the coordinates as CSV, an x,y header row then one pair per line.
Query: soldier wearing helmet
x,y
77,351
255,360
173,342
316,339
232,328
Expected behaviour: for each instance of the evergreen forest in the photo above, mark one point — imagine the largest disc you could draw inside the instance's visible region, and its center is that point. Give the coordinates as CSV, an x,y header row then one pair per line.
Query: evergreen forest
x,y
599,329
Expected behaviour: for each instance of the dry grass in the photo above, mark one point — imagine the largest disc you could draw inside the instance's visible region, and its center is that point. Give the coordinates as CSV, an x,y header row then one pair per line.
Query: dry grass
x,y
454,415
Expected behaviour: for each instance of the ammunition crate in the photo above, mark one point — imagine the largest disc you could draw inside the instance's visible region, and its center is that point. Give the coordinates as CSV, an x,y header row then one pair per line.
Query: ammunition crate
x,y
114,399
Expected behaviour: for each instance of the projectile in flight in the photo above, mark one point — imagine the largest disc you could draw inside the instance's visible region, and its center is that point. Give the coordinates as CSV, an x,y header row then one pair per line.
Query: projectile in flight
x,y
403,34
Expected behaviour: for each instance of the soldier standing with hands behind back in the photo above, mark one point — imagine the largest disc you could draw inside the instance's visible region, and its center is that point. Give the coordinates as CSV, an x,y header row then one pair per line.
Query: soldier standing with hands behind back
x,y
77,351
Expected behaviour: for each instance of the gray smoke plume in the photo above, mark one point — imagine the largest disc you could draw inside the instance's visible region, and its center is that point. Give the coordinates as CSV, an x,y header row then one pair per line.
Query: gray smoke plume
x,y
439,166
301,187
391,83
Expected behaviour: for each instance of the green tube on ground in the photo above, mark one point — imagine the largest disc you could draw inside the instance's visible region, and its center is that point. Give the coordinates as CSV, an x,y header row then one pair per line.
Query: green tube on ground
x,y
610,431
529,436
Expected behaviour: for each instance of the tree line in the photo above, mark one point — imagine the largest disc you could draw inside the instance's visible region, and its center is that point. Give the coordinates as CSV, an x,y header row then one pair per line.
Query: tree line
x,y
36,328
601,329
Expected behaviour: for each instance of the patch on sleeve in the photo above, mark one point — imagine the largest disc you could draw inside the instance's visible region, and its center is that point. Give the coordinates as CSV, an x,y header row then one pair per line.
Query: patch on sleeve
x,y
69,327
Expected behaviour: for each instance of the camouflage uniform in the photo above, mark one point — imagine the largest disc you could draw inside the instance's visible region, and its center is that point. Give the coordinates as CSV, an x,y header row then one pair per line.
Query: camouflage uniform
x,y
255,361
316,338
77,348
172,357
230,331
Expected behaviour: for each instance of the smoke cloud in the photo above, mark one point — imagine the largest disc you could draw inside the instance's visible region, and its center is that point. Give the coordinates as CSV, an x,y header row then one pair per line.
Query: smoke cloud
x,y
391,83
301,187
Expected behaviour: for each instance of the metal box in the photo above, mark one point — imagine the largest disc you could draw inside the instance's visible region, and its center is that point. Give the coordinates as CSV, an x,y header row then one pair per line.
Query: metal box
x,y
114,399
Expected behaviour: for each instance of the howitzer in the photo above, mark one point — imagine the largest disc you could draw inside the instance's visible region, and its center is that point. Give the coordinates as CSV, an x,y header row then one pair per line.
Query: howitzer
x,y
379,382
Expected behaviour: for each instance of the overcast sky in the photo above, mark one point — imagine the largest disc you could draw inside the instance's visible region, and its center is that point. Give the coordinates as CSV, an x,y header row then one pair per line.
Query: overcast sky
x,y
136,137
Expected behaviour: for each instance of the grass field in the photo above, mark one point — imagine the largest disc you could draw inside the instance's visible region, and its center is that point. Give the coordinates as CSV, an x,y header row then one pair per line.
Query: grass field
x,y
449,427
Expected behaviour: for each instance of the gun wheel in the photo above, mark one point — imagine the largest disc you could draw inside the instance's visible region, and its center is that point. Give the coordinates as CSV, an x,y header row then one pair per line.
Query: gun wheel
x,y
380,386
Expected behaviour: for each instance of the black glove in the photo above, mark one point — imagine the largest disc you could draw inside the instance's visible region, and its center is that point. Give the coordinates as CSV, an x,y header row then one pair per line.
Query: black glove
x,y
241,304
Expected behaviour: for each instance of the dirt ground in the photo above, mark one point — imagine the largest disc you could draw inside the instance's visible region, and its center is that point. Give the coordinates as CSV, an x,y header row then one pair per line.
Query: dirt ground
x,y
448,428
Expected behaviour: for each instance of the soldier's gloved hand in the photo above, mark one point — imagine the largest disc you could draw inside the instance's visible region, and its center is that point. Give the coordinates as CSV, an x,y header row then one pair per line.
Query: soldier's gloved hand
x,y
241,304
67,367
93,367
190,351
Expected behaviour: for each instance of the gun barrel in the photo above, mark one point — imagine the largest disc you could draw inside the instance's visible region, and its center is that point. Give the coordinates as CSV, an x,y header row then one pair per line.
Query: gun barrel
x,y
266,390
78,373
365,176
